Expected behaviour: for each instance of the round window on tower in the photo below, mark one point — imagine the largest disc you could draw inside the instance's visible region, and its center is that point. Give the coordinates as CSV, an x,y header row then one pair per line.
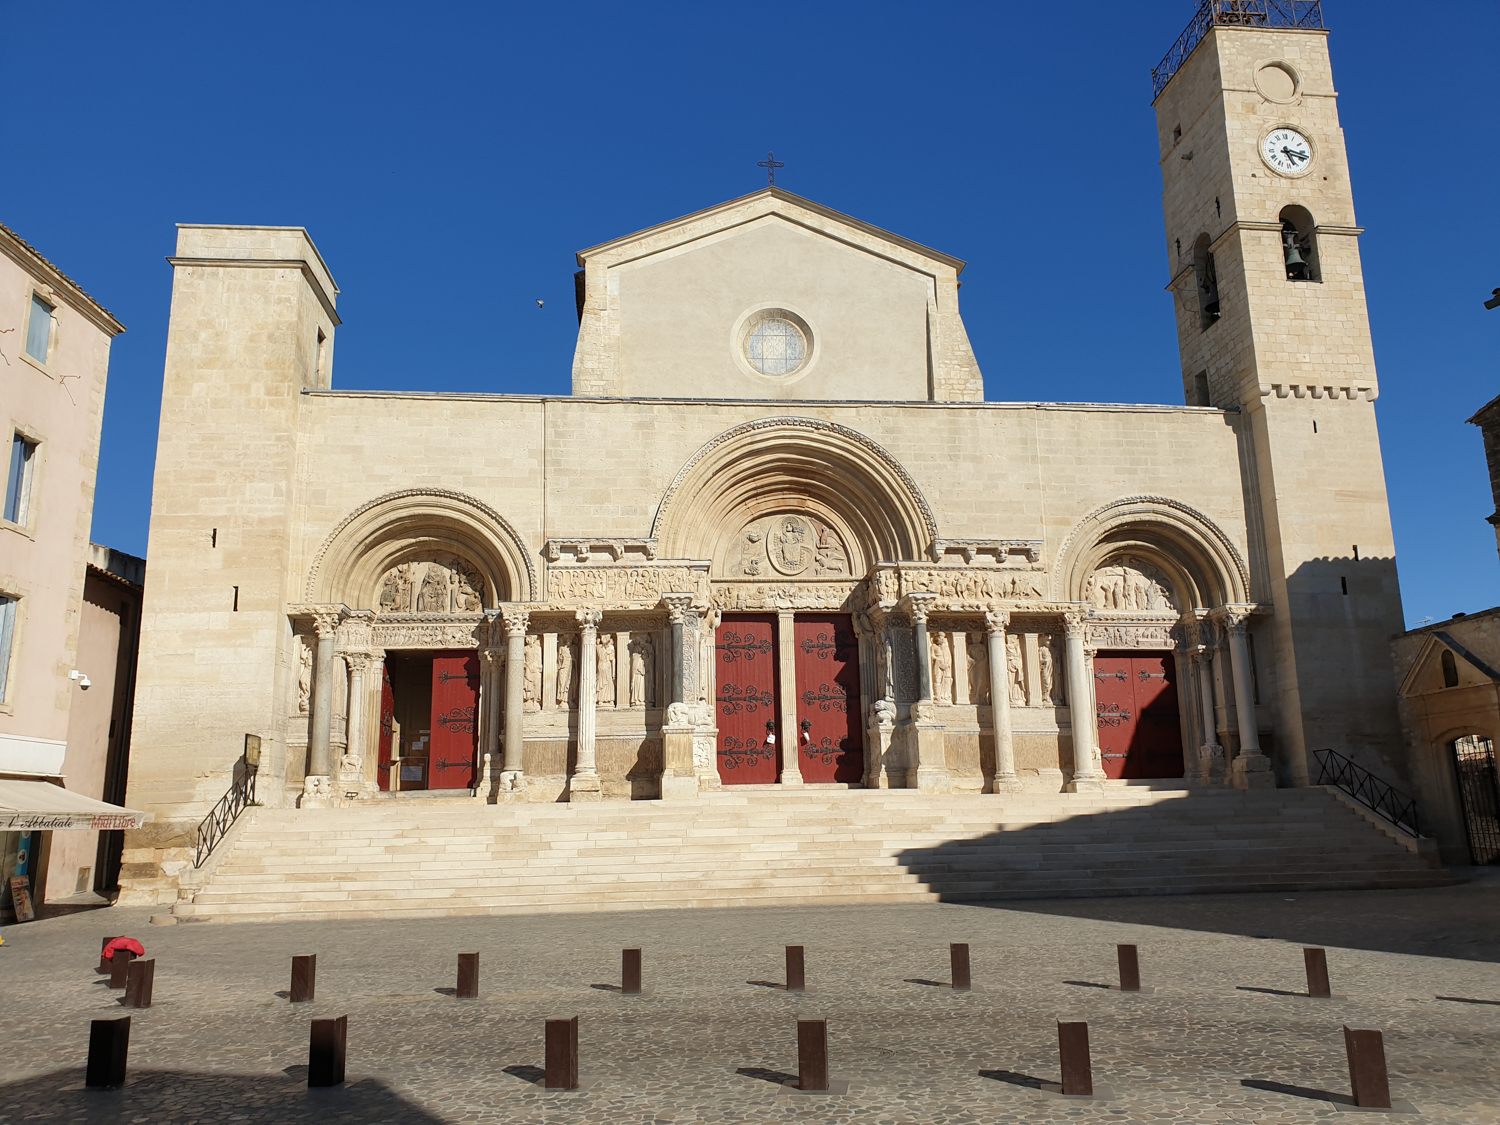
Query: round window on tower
x,y
775,342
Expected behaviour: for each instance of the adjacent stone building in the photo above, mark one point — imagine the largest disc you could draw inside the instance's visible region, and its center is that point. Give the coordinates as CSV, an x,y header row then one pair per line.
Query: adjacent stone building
x,y
777,535
55,344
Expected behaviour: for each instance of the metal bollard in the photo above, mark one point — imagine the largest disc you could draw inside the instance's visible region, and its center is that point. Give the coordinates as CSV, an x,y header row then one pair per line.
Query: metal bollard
x,y
109,1044
1367,1075
812,1054
468,976
1130,968
562,1054
304,978
958,957
103,960
138,981
796,978
1316,961
325,1051
119,967
1073,1047
630,972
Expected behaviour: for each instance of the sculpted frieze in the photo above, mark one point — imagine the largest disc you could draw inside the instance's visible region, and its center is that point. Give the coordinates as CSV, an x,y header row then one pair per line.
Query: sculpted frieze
x,y
633,587
448,635
957,588
730,597
1129,636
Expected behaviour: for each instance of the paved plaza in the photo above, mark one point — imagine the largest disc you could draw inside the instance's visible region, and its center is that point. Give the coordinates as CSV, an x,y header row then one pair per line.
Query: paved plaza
x,y
708,1046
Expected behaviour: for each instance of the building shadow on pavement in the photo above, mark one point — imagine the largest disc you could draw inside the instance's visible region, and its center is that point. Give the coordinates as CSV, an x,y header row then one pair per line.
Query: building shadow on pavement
x,y
1457,917
164,1097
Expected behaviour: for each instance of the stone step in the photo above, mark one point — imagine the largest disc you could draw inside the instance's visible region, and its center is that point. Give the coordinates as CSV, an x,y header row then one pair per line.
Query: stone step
x,y
417,859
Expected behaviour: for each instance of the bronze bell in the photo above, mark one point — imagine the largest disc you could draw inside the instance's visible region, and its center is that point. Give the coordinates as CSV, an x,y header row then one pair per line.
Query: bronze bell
x,y
1296,268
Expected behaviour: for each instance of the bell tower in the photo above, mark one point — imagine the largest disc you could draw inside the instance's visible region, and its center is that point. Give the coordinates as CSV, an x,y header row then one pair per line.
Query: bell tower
x,y
1269,295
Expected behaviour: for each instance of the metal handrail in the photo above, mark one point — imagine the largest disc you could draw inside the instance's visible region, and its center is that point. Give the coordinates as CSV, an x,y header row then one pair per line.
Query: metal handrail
x,y
241,794
1233,13
1376,795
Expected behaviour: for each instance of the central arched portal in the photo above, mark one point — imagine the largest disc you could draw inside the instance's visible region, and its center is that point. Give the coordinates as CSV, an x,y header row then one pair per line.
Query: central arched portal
x,y
795,514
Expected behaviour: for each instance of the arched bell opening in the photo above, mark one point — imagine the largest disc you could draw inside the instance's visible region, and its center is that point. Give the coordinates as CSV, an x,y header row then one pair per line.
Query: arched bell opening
x,y
1299,244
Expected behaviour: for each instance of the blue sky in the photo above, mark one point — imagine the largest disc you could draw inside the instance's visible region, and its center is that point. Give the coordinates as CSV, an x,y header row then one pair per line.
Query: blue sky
x,y
449,160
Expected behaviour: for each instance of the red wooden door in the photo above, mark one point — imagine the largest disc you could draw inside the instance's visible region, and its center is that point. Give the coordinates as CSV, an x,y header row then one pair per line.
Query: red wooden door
x,y
746,700
1140,734
387,727
830,738
455,711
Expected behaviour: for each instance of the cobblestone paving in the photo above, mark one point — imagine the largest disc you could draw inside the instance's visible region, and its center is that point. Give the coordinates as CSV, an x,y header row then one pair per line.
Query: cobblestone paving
x,y
707,1046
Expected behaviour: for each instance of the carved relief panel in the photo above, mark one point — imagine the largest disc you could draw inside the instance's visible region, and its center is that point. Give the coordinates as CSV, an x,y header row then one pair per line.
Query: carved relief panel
x,y
1129,584
788,546
441,585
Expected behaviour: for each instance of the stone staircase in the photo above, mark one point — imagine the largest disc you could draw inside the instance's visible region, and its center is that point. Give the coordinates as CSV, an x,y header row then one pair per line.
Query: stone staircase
x,y
774,846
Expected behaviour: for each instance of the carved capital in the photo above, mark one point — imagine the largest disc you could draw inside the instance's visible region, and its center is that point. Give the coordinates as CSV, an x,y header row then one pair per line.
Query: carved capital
x,y
1233,617
919,606
995,621
677,606
326,619
359,662
515,619
1073,626
588,621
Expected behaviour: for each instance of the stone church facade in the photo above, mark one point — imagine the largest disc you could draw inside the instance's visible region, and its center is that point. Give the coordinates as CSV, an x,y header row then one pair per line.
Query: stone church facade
x,y
777,535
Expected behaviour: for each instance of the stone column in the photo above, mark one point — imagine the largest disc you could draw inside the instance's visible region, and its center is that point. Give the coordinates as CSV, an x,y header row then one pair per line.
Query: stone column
x,y
1252,769
789,737
491,665
512,775
373,715
622,671
352,767
677,607
921,605
584,784
1006,781
927,734
1086,778
1210,752
317,786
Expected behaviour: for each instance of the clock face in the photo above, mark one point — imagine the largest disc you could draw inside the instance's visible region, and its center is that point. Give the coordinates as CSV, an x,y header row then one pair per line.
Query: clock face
x,y
1287,151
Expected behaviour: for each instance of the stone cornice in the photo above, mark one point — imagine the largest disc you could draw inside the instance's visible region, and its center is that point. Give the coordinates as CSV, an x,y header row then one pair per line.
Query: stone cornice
x,y
271,263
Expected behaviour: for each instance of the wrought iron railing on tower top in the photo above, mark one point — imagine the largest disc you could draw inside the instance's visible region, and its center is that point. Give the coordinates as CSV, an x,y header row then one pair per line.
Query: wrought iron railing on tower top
x,y
1376,795
1234,13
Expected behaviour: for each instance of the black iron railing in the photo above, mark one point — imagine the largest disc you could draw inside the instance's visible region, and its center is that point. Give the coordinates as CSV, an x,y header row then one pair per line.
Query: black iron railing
x,y
1233,13
241,794
1369,790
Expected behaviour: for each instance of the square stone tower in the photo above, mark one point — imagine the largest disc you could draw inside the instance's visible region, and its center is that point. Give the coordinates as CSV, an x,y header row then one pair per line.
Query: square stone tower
x,y
1271,320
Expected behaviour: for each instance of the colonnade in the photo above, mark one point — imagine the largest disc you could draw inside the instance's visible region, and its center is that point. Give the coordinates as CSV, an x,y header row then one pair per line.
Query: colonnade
x,y
500,714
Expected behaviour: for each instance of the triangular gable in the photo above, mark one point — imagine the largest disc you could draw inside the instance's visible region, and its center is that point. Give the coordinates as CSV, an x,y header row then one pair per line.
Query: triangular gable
x,y
1426,674
767,201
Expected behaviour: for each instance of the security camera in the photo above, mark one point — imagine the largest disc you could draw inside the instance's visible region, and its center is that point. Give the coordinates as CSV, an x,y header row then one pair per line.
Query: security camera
x,y
83,681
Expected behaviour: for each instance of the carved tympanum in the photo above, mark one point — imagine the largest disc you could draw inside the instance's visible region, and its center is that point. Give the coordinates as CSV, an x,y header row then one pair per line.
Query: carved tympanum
x,y
443,585
790,546
1129,584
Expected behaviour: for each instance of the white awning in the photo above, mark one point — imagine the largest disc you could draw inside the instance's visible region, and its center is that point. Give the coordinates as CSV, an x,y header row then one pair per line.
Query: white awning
x,y
33,806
